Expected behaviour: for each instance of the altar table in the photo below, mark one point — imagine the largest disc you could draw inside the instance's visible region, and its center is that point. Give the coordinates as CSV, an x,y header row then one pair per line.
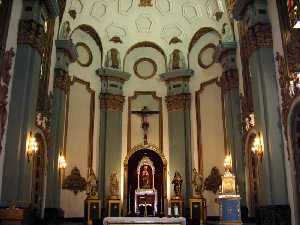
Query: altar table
x,y
144,221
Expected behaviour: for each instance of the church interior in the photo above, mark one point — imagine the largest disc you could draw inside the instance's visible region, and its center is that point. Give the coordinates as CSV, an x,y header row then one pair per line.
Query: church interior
x,y
150,112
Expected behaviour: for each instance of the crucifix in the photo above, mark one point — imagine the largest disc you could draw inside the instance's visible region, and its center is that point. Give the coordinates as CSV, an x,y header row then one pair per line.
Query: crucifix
x,y
144,114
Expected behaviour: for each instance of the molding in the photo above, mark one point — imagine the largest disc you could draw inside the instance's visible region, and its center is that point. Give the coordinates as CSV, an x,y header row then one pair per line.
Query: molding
x,y
198,121
61,80
159,99
92,118
176,75
90,55
33,34
113,74
5,78
201,64
135,68
180,102
111,102
68,47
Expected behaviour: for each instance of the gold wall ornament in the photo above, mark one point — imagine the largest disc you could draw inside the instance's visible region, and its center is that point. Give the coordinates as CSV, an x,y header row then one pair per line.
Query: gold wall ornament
x,y
114,185
198,183
257,146
74,182
91,185
145,3
213,181
62,164
31,146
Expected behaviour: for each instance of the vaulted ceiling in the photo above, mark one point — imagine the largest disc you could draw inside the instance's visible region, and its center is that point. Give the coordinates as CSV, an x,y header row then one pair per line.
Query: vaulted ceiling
x,y
170,24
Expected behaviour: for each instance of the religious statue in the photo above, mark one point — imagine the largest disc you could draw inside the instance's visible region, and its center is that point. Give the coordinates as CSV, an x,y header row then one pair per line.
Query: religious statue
x,y
91,188
177,60
64,33
177,182
145,178
197,182
227,33
114,184
113,59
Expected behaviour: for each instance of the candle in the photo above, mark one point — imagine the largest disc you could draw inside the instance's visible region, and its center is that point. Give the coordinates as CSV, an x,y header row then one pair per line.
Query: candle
x,y
169,211
176,210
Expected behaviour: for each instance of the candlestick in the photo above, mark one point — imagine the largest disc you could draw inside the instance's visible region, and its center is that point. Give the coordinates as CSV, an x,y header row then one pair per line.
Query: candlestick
x,y
176,211
169,212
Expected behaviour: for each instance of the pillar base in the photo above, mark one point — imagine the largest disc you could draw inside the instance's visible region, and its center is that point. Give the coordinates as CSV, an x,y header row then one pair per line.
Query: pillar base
x,y
273,215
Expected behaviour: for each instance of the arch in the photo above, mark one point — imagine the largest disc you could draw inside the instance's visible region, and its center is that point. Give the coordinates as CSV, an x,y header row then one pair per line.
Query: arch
x,y
133,151
146,44
293,132
200,33
93,34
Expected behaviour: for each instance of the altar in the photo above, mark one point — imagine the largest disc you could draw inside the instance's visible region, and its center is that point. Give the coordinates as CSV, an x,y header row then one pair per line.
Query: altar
x,y
144,220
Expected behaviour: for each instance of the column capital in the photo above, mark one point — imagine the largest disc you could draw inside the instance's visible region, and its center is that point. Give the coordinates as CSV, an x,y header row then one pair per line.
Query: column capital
x,y
68,48
226,55
112,102
32,33
179,102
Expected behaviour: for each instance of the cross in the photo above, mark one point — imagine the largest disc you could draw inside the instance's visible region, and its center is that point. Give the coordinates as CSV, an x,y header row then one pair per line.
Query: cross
x,y
144,114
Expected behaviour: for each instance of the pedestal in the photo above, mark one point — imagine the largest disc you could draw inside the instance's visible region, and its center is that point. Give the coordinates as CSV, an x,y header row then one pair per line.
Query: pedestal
x,y
114,207
92,210
230,209
198,209
177,201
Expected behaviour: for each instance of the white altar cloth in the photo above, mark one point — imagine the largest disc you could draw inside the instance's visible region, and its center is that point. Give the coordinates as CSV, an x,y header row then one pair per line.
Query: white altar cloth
x,y
144,220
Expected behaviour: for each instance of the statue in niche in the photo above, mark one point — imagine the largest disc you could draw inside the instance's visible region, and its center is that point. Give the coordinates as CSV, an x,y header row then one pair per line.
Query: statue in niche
x,y
177,60
177,182
145,3
65,31
113,59
91,188
114,184
227,33
145,178
197,182
213,181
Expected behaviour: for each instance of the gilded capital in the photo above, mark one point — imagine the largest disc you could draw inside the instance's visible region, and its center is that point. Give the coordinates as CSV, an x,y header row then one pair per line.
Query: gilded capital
x,y
33,34
61,80
180,102
111,102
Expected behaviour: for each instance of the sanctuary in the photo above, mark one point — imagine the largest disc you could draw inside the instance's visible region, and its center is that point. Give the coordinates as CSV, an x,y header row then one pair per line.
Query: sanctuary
x,y
124,111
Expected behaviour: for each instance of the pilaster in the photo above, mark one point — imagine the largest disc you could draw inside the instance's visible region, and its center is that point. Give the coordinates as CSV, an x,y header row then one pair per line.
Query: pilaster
x,y
65,54
178,103
266,102
17,170
111,108
229,81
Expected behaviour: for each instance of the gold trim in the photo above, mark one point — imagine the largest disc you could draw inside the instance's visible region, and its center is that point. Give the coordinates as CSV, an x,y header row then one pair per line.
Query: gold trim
x,y
200,62
90,59
92,119
155,97
135,68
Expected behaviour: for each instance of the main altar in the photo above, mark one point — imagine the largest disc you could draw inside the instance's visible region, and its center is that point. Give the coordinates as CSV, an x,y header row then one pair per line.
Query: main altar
x,y
144,220
145,198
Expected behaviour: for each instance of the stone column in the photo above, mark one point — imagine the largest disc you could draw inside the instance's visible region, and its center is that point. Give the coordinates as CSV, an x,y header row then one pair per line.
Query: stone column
x,y
273,186
111,108
17,169
178,104
226,54
65,54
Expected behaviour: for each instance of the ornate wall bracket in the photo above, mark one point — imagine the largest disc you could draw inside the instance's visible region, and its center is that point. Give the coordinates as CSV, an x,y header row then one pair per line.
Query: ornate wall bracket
x,y
5,78
74,182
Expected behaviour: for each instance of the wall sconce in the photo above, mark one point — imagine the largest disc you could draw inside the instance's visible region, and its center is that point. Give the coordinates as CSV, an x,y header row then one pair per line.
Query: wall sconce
x,y
31,146
228,163
257,147
62,164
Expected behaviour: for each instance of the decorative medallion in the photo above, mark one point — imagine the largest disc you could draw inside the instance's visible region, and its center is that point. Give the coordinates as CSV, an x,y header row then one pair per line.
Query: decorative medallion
x,y
145,68
145,3
206,56
85,56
